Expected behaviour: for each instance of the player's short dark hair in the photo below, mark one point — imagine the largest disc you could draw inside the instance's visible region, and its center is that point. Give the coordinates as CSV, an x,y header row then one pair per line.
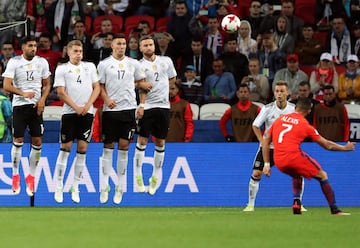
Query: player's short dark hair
x,y
27,39
244,85
303,103
146,37
119,36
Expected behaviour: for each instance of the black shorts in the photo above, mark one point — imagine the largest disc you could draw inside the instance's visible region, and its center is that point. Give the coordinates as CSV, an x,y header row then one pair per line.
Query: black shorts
x,y
155,122
74,126
26,116
259,160
118,124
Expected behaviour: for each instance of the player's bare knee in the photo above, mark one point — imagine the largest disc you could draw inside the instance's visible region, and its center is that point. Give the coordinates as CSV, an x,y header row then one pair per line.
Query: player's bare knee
x,y
256,174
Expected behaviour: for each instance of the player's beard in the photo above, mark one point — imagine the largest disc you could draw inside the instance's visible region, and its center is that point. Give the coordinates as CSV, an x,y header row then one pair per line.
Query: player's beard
x,y
29,55
149,54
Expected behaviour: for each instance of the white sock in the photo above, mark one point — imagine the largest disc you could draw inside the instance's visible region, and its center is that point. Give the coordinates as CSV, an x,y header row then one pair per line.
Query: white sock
x,y
253,189
302,189
79,166
61,164
106,161
35,154
122,161
139,157
159,155
16,151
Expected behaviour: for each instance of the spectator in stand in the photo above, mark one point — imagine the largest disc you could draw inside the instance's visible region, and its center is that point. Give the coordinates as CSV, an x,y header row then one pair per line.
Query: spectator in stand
x,y
61,17
194,6
96,55
142,28
254,18
325,11
113,7
355,10
304,91
284,40
200,57
258,83
219,86
38,20
242,115
270,57
178,27
191,88
338,41
7,52
245,43
234,61
153,8
291,74
132,48
165,46
356,39
324,74
181,126
80,34
44,50
308,47
331,118
295,23
97,38
349,82
213,37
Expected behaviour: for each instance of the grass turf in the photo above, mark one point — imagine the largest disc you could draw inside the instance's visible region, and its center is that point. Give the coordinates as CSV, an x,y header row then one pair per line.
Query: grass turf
x,y
176,227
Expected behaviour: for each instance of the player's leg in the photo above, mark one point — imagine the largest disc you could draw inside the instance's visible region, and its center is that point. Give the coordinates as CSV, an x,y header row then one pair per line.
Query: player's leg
x,y
298,190
160,130
60,169
19,126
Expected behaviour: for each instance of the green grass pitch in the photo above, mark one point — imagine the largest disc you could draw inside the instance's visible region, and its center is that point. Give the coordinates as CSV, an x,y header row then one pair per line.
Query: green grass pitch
x,y
176,227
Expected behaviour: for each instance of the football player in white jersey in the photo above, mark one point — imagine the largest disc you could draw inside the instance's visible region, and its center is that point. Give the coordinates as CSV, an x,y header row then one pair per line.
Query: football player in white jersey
x,y
27,77
78,86
119,75
268,114
160,71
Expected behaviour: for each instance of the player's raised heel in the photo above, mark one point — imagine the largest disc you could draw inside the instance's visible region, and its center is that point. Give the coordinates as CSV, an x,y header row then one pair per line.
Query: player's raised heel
x,y
30,185
296,206
75,196
58,195
16,184
140,184
104,195
118,195
152,185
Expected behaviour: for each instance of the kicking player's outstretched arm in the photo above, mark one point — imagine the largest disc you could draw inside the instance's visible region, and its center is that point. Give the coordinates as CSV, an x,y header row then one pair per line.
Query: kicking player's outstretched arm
x,y
332,146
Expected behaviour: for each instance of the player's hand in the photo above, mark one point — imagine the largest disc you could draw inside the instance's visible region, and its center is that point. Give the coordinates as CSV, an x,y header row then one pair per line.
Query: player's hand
x,y
40,105
350,146
267,170
111,104
29,94
147,86
139,113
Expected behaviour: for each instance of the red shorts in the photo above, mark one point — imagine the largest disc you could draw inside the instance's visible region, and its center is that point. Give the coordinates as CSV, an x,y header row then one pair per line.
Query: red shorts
x,y
299,165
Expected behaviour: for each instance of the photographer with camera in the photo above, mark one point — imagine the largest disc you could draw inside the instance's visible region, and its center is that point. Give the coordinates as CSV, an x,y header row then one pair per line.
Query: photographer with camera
x,y
258,83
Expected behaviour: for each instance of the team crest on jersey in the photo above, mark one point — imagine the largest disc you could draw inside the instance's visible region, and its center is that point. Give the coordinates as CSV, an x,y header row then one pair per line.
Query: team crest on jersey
x,y
29,66
121,66
77,70
154,67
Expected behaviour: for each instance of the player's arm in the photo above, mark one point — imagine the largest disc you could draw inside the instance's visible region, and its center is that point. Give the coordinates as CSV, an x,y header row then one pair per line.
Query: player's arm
x,y
144,87
111,103
332,146
46,85
257,132
266,140
94,95
9,87
63,95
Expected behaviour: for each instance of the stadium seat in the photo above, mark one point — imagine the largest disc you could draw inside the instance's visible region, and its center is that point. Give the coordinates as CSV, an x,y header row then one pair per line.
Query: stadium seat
x,y
213,111
340,69
307,69
161,24
88,24
322,36
305,9
117,23
195,110
52,113
353,110
132,21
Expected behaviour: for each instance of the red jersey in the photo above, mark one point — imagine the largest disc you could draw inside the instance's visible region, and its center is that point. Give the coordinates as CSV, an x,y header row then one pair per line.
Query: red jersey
x,y
288,132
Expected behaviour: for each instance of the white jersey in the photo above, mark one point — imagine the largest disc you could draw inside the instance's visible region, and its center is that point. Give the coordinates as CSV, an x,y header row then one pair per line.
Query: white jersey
x,y
78,81
158,72
27,76
270,112
119,78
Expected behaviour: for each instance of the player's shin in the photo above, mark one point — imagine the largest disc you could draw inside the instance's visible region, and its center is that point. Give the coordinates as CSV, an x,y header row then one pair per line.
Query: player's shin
x,y
159,155
61,164
139,157
16,151
79,166
106,161
329,193
35,154
253,189
122,162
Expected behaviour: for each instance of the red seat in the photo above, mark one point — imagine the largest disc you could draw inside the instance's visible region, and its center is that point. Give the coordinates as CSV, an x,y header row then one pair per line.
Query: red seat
x,y
322,36
132,21
88,24
307,69
117,23
161,24
340,69
305,9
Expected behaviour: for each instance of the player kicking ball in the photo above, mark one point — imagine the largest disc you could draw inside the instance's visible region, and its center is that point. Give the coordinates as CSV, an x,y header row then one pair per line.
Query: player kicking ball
x,y
287,133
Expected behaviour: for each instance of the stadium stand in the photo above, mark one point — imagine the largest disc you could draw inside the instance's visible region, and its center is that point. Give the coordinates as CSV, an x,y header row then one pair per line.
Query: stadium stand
x,y
212,111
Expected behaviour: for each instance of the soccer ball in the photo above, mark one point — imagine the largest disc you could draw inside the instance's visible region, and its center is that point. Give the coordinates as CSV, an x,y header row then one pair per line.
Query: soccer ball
x,y
230,23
